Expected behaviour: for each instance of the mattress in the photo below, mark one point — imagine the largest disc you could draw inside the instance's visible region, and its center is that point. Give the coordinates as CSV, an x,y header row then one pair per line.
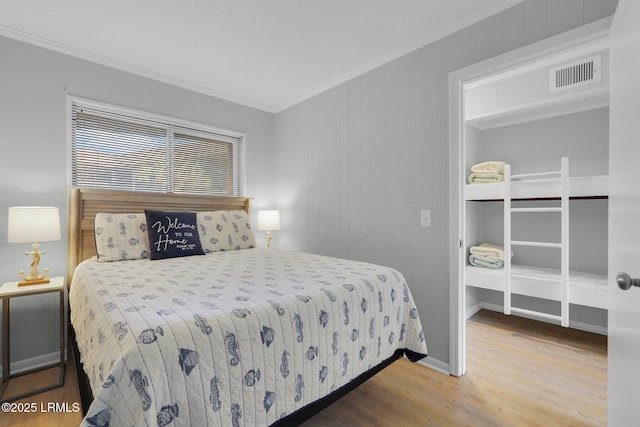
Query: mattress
x,y
579,186
242,337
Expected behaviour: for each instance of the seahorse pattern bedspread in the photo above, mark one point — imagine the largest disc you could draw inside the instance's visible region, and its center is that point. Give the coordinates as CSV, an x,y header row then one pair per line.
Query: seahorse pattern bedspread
x,y
241,337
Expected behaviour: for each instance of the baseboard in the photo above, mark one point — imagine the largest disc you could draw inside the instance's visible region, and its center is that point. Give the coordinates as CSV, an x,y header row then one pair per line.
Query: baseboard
x,y
435,364
32,363
596,329
476,308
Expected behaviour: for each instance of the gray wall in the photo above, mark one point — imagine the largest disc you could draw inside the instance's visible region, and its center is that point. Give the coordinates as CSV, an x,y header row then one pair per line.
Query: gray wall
x,y
350,168
34,84
355,165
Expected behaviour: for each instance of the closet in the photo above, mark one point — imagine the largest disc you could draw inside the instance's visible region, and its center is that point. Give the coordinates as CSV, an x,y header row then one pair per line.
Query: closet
x,y
546,205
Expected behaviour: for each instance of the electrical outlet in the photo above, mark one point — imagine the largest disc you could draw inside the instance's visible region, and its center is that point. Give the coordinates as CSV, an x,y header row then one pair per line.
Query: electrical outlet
x,y
425,218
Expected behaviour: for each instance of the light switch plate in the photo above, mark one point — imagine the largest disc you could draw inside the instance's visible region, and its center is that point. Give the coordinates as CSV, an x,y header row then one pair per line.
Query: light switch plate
x,y
425,218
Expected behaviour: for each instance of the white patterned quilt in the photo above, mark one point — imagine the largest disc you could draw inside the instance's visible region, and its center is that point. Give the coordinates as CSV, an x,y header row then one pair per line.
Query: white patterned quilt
x,y
233,338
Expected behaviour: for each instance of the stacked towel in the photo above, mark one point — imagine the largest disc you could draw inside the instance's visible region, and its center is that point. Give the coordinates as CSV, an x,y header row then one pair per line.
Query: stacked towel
x,y
489,250
485,261
487,172
487,255
491,166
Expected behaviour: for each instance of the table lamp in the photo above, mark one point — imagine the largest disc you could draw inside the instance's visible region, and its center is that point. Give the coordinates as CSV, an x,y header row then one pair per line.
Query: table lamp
x,y
269,220
33,224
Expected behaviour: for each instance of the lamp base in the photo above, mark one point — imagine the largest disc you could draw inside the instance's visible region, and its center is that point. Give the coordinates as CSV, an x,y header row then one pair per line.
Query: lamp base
x,y
36,281
34,278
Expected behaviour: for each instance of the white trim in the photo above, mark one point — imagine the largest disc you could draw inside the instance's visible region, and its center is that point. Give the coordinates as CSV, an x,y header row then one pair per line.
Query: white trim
x,y
470,311
242,163
457,332
435,364
112,108
583,100
574,324
579,41
129,68
69,102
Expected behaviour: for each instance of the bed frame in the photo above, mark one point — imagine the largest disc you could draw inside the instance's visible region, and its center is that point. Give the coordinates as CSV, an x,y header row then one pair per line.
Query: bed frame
x,y
84,204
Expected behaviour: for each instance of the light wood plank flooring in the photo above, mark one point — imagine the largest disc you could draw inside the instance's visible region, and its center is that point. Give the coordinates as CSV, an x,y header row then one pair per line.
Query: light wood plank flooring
x,y
44,418
519,372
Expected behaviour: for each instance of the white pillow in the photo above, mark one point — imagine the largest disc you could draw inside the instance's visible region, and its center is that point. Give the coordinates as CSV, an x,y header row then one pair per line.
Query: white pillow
x,y
225,231
121,237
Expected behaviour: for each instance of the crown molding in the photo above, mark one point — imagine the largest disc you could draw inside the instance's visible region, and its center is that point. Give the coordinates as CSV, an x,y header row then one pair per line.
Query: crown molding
x,y
129,68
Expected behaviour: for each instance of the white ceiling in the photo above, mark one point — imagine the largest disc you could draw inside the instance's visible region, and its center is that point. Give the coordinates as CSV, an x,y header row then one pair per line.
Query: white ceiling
x,y
268,54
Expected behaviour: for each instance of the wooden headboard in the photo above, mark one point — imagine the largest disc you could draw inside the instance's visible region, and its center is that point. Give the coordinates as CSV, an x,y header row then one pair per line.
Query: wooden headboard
x,y
84,204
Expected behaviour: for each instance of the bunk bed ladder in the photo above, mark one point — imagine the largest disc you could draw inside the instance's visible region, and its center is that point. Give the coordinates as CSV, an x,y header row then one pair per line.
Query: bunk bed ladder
x,y
563,246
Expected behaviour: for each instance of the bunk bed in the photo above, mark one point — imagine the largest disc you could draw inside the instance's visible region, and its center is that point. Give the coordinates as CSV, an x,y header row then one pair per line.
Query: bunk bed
x,y
592,187
586,289
557,284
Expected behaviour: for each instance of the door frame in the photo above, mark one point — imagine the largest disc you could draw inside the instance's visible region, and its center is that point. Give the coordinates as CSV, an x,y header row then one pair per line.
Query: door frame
x,y
589,37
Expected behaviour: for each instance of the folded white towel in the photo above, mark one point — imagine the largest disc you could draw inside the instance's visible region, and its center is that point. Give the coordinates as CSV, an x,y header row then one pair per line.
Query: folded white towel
x,y
485,178
488,250
492,166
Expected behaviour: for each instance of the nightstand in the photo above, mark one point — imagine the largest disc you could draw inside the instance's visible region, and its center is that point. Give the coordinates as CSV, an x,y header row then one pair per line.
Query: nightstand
x,y
12,290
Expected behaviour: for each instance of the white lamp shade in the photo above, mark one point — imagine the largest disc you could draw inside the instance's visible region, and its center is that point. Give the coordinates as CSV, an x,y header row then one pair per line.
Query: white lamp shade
x,y
33,224
269,220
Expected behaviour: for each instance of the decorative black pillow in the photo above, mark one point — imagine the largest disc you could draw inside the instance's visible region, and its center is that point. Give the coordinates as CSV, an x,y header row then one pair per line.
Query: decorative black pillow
x,y
172,234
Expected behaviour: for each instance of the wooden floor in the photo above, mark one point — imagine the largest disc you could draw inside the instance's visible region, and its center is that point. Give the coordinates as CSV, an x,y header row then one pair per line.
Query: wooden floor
x,y
519,373
40,414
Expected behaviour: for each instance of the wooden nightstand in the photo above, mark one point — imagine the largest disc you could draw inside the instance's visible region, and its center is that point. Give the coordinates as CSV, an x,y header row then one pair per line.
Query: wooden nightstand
x,y
12,290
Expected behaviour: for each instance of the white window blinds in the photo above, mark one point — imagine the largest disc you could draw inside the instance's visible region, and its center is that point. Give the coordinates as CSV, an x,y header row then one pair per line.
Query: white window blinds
x,y
122,150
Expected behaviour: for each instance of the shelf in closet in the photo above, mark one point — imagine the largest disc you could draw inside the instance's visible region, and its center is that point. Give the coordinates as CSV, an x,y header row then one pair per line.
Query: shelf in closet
x,y
561,104
586,289
580,187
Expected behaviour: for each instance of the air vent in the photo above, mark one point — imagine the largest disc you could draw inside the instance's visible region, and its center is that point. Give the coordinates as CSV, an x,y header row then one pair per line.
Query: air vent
x,y
574,74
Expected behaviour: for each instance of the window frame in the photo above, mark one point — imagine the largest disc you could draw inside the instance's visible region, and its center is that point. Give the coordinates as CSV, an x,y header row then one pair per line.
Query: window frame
x,y
237,138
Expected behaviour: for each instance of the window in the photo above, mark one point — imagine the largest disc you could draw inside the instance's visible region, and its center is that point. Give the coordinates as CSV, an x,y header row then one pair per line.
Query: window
x,y
128,150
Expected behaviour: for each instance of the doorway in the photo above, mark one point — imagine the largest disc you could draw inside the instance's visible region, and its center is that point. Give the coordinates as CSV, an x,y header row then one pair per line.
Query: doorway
x,y
487,76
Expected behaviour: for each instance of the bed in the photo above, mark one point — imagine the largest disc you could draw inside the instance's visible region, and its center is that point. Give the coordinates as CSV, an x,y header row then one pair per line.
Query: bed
x,y
591,187
498,273
586,289
249,336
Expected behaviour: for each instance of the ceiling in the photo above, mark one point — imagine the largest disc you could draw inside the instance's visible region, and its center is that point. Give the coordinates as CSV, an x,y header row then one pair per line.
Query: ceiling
x,y
267,54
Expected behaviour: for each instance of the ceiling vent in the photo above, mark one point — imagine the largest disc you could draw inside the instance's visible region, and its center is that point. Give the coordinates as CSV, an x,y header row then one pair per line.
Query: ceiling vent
x,y
575,74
